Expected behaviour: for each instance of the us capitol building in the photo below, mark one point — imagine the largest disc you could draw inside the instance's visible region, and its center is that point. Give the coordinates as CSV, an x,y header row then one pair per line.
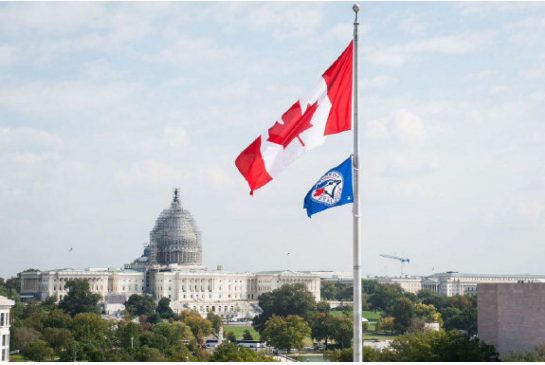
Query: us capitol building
x,y
171,267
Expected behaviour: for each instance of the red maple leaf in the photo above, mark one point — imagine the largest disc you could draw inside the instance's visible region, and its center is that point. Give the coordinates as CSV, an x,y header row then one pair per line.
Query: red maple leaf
x,y
294,124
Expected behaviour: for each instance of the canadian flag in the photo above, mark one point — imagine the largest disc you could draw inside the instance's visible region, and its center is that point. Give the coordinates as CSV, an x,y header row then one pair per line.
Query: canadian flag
x,y
326,110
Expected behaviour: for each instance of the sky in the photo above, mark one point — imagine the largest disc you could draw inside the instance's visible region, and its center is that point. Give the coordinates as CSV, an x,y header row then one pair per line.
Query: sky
x,y
105,108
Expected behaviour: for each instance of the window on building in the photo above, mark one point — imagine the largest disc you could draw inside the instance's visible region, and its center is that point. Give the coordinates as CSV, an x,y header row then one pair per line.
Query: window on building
x,y
1,319
4,340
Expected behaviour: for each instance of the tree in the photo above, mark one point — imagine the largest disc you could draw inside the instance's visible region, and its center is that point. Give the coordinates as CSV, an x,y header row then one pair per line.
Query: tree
x,y
403,312
89,327
428,313
59,339
21,337
147,354
230,336
174,332
138,305
386,324
341,330
247,335
385,295
215,320
128,334
289,299
538,355
437,346
323,307
57,319
229,352
79,298
336,290
49,303
342,355
38,350
199,326
163,308
321,327
286,333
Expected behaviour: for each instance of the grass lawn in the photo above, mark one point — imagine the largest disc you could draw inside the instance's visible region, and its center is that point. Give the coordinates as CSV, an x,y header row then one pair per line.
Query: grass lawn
x,y
16,358
375,336
371,326
371,315
239,330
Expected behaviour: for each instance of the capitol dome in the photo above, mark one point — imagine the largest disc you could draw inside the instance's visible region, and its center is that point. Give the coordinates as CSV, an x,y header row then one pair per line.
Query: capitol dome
x,y
175,238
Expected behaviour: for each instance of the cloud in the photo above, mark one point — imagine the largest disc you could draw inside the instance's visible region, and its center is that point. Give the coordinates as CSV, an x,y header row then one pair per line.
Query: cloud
x,y
281,20
380,81
342,31
23,138
176,137
397,55
481,75
410,23
154,173
409,166
60,97
518,214
8,55
403,125
148,172
193,50
59,17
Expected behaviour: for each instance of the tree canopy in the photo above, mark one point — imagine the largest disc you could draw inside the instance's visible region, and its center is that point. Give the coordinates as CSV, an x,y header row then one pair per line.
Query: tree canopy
x,y
79,298
138,305
289,299
286,333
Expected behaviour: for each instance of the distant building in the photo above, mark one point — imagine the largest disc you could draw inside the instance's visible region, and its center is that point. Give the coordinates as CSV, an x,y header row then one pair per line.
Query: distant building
x,y
342,276
5,306
453,283
171,267
411,284
511,316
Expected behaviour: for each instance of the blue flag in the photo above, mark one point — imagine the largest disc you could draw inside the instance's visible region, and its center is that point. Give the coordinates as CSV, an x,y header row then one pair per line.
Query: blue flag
x,y
334,188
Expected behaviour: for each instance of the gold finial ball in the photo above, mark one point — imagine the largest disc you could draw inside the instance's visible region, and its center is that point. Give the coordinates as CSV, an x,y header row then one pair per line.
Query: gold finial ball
x,y
356,8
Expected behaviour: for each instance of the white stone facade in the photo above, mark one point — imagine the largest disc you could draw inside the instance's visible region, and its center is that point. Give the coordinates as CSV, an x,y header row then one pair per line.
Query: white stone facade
x,y
454,283
5,306
228,294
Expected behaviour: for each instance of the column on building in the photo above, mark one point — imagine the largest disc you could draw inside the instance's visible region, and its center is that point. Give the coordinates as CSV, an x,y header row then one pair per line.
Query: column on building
x,y
5,306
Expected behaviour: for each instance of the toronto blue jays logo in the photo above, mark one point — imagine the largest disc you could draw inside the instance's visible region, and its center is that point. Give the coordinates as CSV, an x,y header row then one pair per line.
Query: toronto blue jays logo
x,y
328,189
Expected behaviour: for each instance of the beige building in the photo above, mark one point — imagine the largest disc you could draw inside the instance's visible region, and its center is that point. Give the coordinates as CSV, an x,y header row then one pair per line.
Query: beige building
x,y
411,284
5,307
511,316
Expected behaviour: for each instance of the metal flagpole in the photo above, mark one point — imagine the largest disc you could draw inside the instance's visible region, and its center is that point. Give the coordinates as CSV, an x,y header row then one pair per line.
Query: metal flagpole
x,y
357,304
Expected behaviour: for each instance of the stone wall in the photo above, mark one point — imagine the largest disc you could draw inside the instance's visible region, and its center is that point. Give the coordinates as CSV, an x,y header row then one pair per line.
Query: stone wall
x,y
511,316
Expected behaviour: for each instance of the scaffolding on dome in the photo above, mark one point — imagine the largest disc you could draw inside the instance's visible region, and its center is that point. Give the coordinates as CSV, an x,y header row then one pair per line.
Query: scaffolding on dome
x,y
175,238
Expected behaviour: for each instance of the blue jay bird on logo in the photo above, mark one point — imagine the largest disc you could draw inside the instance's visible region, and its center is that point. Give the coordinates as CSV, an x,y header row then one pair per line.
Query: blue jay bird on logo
x,y
328,187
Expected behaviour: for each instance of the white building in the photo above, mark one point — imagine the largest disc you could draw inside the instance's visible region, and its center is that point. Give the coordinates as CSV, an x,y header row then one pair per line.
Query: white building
x,y
171,267
453,283
411,284
5,306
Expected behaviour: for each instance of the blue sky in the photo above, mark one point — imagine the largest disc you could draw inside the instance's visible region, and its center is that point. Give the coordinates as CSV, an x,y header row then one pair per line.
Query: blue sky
x,y
106,107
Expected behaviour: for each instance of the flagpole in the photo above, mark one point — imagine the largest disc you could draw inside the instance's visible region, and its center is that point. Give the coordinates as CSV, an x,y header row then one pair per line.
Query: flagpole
x,y
357,303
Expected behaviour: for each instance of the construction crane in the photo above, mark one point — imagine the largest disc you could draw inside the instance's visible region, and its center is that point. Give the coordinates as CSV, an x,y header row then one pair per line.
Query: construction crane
x,y
401,260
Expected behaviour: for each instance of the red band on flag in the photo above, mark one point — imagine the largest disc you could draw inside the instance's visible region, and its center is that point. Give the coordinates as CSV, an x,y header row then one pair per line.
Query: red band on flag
x,y
338,78
251,165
